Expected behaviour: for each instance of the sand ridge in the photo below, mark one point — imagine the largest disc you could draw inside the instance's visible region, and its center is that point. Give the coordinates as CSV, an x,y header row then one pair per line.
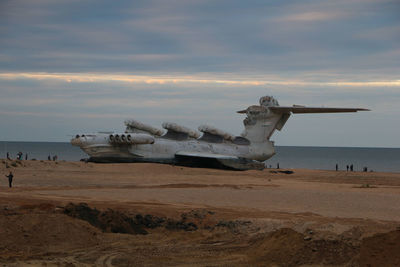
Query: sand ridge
x,y
320,211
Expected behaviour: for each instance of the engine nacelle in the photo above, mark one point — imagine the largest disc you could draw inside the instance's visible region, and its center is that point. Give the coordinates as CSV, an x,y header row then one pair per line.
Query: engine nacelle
x,y
141,139
131,139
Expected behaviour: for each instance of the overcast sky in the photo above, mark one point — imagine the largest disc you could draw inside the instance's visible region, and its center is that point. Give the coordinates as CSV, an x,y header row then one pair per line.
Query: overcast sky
x,y
70,66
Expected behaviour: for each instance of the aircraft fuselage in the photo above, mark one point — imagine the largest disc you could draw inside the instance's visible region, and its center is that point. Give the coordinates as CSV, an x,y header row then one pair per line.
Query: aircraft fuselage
x,y
164,150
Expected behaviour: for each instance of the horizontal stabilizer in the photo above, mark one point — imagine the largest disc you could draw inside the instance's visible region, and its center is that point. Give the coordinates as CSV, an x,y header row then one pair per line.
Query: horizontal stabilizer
x,y
302,109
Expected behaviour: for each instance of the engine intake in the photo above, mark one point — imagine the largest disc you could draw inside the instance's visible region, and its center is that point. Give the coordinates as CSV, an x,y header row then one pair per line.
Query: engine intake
x,y
132,139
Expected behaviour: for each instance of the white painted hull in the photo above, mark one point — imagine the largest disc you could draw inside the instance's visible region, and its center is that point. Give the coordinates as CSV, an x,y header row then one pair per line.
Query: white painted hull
x,y
164,150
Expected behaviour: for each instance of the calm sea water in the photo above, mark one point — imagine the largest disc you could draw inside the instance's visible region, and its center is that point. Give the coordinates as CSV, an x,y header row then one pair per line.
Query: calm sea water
x,y
377,159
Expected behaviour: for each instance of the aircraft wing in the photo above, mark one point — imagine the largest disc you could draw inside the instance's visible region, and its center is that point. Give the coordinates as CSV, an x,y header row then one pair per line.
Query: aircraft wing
x,y
205,159
204,155
303,109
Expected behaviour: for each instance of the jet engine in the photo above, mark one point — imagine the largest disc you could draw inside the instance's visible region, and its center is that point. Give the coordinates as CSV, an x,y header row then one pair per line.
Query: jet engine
x,y
117,139
133,126
131,139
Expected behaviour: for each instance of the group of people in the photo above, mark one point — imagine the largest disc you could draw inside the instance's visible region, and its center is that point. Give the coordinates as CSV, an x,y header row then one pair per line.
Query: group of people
x,y
20,156
55,157
270,166
350,168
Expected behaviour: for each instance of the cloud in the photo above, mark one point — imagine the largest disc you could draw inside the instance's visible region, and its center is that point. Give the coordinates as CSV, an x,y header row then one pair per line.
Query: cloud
x,y
191,79
314,16
390,34
191,36
69,62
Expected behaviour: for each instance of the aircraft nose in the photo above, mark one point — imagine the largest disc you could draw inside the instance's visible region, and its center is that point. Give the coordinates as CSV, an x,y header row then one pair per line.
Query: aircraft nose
x,y
77,141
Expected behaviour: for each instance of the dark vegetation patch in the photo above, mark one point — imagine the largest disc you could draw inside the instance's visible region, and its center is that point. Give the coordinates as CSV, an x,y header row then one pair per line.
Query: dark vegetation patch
x,y
108,221
117,222
285,172
113,221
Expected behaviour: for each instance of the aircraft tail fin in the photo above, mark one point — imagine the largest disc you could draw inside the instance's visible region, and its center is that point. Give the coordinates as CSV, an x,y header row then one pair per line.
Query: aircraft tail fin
x,y
263,119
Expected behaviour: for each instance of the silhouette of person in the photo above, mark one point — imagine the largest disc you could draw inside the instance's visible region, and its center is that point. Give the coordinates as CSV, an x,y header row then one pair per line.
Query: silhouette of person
x,y
351,167
10,179
8,155
337,167
26,156
347,167
277,165
49,158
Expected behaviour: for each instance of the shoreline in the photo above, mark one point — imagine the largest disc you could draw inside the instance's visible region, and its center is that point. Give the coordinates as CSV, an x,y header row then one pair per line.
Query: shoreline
x,y
293,157
266,168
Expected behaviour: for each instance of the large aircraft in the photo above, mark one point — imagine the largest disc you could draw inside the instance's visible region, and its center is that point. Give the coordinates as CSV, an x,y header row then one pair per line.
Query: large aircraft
x,y
183,146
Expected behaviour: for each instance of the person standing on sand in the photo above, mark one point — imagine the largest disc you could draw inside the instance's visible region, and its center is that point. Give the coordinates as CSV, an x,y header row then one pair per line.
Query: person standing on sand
x,y
337,167
10,178
347,167
351,167
8,156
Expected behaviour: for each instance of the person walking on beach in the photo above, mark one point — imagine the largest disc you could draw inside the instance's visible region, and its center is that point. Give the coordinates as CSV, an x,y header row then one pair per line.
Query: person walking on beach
x,y
347,167
337,167
26,156
351,167
10,179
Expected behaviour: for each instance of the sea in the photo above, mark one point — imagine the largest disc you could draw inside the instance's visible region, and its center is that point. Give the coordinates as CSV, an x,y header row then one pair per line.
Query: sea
x,y
288,157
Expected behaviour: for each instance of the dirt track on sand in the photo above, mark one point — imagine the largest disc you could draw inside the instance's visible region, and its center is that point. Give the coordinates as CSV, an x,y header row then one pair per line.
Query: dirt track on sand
x,y
196,216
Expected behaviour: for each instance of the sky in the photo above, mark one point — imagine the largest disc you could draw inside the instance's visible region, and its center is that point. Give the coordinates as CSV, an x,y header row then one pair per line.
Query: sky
x,y
70,66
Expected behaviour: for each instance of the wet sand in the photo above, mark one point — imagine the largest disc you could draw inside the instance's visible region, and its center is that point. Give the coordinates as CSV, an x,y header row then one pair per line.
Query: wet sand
x,y
288,215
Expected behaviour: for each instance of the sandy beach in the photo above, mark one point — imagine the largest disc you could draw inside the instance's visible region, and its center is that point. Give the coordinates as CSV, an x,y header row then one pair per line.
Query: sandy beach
x,y
259,218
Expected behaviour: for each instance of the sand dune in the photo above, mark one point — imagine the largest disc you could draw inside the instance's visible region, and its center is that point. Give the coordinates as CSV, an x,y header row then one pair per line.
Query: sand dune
x,y
252,217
